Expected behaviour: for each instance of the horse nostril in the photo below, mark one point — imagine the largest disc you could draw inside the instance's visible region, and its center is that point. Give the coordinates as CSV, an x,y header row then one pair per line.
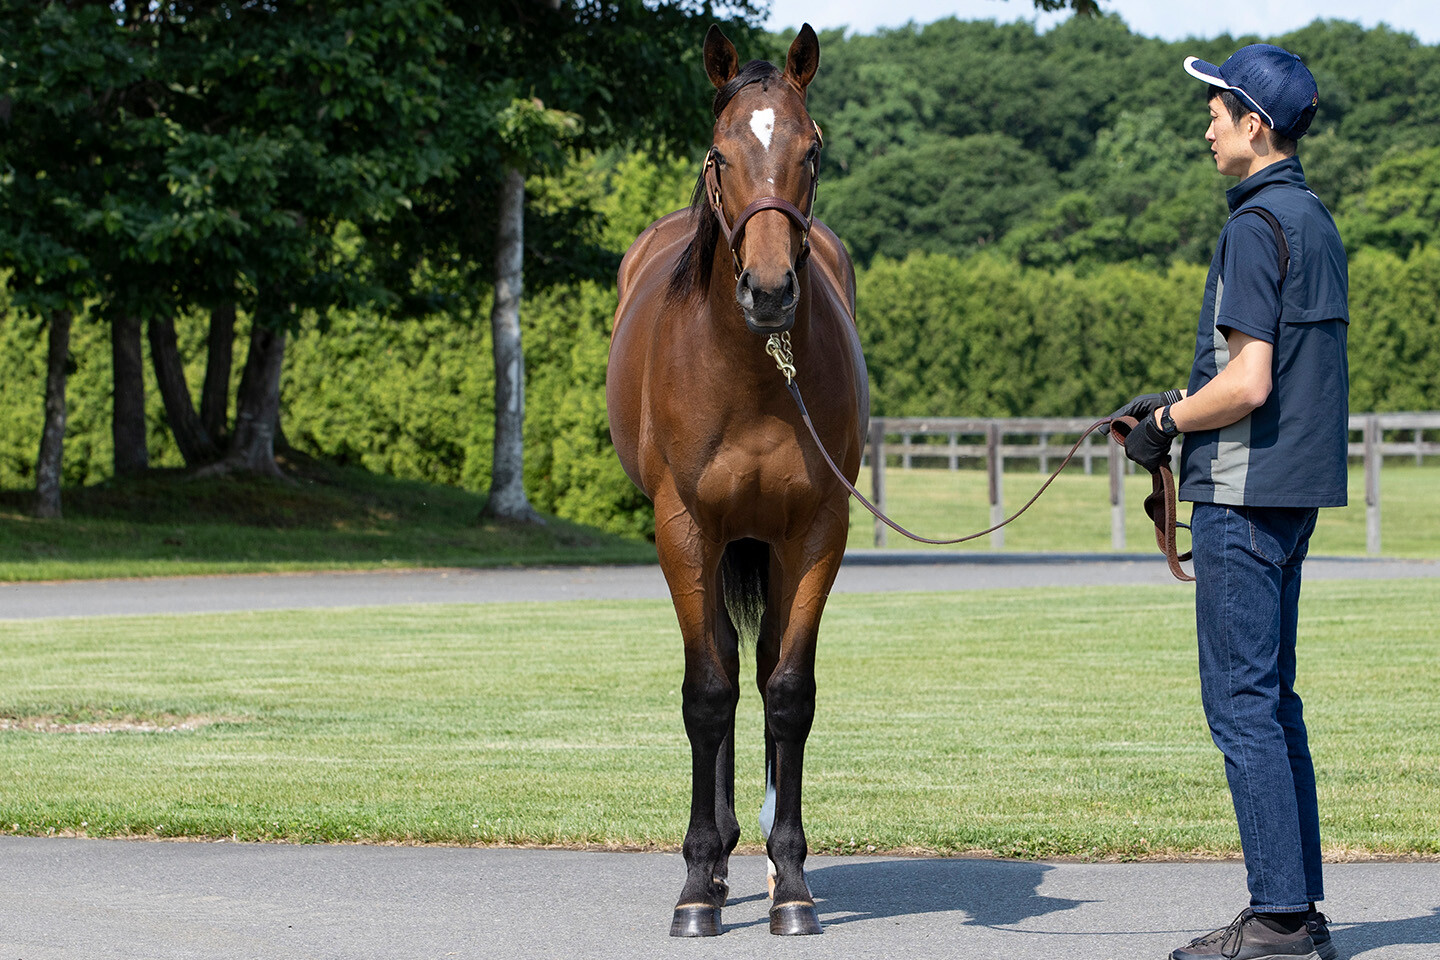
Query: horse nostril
x,y
743,292
792,291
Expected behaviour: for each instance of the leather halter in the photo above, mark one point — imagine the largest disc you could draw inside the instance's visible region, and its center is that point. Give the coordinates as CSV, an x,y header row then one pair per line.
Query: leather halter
x,y
735,235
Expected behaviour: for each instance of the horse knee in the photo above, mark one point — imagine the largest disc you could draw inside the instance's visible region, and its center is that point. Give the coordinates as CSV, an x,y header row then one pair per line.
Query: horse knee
x,y
709,705
790,704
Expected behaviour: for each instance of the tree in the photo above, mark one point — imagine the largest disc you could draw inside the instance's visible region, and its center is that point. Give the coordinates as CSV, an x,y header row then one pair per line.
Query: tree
x,y
536,81
52,108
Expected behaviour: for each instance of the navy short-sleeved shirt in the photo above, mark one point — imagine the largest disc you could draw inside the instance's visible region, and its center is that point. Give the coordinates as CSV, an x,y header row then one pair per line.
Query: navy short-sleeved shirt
x,y
1291,451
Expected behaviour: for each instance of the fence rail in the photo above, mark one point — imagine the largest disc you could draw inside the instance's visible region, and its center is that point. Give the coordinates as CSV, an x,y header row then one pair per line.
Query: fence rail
x,y
1045,439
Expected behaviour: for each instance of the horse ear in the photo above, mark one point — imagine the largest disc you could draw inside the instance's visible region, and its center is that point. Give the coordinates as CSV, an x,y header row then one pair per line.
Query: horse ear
x,y
721,63
803,59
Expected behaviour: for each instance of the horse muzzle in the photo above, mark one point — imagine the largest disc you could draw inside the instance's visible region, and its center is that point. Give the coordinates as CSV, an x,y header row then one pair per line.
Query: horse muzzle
x,y
768,309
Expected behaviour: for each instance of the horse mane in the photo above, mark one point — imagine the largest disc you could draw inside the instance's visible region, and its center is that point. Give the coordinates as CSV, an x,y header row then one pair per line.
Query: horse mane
x,y
692,269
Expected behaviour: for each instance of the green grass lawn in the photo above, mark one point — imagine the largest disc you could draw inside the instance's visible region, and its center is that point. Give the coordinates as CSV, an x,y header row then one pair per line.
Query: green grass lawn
x,y
1019,722
1074,514
330,518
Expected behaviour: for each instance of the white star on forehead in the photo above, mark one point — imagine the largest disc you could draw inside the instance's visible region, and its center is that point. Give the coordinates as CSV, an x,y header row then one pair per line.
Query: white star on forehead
x,y
762,124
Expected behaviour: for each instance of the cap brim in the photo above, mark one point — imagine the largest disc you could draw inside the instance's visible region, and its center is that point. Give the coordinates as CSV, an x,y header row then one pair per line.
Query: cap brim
x,y
1201,70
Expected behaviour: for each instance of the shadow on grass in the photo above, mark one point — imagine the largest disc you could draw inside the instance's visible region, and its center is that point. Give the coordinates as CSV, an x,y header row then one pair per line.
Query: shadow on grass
x,y
327,517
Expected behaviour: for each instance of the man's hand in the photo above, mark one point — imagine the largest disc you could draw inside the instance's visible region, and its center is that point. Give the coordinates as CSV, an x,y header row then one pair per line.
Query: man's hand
x,y
1143,406
1147,445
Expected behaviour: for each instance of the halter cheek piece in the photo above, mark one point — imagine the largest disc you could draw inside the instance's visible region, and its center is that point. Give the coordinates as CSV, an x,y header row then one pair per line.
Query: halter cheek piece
x,y
735,235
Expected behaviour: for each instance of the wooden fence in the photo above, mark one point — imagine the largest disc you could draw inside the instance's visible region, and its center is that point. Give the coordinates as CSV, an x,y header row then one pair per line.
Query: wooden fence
x,y
907,441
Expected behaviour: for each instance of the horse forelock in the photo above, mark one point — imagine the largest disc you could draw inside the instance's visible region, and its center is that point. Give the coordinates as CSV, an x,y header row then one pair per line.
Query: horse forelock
x,y
692,271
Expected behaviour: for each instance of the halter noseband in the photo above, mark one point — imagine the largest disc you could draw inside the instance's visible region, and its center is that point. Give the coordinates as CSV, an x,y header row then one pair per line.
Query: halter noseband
x,y
735,235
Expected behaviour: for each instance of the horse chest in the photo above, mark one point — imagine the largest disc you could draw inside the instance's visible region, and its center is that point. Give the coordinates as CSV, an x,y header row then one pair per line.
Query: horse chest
x,y
753,486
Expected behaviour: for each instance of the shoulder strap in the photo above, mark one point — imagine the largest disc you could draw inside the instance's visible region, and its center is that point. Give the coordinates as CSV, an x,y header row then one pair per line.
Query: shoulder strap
x,y
1279,232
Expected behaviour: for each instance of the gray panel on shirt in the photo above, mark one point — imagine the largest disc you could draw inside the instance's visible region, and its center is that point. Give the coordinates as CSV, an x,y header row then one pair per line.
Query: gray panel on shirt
x,y
1230,469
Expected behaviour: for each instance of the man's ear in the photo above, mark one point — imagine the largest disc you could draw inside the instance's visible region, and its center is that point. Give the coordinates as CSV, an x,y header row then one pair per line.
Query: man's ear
x,y
803,59
721,63
1255,129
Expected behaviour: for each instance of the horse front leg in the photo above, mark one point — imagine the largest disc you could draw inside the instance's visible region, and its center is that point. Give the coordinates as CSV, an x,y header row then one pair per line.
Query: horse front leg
x,y
690,563
809,570
728,644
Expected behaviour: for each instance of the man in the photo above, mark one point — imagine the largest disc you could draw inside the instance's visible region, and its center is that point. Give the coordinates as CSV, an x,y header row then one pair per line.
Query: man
x,y
1265,423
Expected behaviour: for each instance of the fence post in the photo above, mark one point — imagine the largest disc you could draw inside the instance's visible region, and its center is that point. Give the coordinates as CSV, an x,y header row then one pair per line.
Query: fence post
x,y
1087,455
1372,485
1044,449
954,458
995,466
877,475
1116,461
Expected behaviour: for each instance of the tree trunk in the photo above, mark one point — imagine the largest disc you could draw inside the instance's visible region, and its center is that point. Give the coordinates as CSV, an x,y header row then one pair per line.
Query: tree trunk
x,y
190,434
257,406
127,424
507,487
215,397
52,440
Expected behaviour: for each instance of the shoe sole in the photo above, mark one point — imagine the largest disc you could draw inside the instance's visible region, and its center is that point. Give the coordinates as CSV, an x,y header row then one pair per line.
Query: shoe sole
x,y
1312,955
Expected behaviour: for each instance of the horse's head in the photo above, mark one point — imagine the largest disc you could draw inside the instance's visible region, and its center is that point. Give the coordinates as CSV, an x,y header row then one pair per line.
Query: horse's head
x,y
761,173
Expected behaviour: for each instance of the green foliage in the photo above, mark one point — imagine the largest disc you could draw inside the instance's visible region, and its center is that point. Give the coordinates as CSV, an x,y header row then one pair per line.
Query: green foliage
x,y
1114,165
1399,208
415,400
979,336
1031,213
941,195
1395,330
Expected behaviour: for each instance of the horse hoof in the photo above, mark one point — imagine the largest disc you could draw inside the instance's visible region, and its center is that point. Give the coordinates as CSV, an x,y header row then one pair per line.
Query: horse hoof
x,y
796,919
696,920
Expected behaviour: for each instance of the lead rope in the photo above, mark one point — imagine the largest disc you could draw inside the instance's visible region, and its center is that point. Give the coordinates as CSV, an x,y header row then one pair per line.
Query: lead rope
x,y
778,348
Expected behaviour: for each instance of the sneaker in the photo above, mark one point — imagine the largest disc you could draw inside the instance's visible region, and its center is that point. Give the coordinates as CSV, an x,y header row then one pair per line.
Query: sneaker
x,y
1247,938
1319,926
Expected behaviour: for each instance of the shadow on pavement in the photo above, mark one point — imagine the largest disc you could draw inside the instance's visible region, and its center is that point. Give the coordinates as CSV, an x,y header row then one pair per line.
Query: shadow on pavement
x,y
991,893
1358,939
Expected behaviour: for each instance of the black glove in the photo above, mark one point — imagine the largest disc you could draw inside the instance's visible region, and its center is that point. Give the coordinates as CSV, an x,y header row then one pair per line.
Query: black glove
x,y
1144,406
1147,445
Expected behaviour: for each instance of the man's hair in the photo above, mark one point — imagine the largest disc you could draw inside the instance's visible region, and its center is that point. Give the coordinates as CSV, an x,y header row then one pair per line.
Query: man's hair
x,y
1281,145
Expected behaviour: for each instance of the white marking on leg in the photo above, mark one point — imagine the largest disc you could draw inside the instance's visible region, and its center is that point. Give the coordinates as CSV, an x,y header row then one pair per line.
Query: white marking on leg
x,y
762,123
767,809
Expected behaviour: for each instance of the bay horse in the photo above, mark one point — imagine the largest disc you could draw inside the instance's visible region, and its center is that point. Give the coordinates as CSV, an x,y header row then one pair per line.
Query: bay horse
x,y
750,525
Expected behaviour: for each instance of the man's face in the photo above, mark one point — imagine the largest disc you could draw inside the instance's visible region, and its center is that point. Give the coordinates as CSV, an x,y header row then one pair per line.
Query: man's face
x,y
1229,141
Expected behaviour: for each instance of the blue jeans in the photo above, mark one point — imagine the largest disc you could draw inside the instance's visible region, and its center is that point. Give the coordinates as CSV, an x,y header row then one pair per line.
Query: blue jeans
x,y
1247,592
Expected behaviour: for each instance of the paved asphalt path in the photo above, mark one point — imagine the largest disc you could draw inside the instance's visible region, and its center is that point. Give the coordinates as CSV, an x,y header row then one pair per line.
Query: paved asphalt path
x,y
863,572
69,899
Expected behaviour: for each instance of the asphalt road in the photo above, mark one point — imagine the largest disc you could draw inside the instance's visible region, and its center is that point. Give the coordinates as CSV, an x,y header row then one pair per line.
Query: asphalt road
x,y
70,899
862,572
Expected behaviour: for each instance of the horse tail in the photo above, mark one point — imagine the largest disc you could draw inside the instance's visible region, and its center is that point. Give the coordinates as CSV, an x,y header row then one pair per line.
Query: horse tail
x,y
745,582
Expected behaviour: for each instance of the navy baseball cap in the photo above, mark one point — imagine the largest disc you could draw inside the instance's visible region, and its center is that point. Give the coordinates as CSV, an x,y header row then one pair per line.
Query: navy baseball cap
x,y
1269,80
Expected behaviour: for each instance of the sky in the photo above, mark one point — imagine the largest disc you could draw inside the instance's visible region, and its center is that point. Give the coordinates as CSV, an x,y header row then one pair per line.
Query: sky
x,y
1167,19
